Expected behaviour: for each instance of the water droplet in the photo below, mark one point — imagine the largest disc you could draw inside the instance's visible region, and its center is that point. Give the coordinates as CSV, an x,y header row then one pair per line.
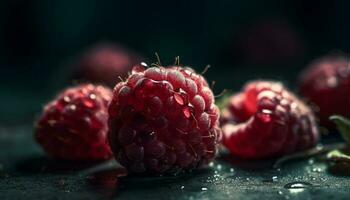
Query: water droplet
x,y
311,161
178,99
186,111
182,187
247,179
296,187
144,64
204,189
332,82
232,170
319,147
270,180
66,99
211,164
265,115
92,96
317,169
88,103
73,107
219,167
280,192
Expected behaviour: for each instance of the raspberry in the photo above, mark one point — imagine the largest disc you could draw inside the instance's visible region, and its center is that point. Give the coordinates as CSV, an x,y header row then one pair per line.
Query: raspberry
x,y
74,125
163,120
266,120
269,41
326,83
104,64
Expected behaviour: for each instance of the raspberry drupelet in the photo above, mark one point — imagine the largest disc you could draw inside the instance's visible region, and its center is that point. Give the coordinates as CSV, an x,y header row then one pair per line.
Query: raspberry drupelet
x,y
163,121
266,120
326,83
74,125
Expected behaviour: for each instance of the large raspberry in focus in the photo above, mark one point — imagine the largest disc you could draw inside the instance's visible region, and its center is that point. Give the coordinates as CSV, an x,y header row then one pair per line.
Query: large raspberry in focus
x,y
74,125
326,83
104,64
266,120
163,120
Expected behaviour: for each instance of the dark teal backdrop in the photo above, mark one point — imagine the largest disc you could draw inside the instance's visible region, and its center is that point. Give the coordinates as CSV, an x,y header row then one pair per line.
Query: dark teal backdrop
x,y
241,40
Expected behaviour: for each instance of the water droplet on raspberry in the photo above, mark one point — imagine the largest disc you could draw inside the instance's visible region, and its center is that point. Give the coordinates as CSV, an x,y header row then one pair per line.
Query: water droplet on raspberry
x,y
165,122
138,68
186,111
76,130
144,64
88,103
92,96
178,99
66,99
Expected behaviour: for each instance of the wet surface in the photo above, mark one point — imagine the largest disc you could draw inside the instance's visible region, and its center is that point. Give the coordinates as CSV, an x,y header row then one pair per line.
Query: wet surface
x,y
26,173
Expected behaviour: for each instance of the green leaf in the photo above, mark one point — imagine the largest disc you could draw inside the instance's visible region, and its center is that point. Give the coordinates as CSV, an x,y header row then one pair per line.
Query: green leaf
x,y
223,100
343,125
340,163
337,156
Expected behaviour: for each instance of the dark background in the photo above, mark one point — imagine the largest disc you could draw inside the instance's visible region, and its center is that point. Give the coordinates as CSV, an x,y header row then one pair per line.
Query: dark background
x,y
241,40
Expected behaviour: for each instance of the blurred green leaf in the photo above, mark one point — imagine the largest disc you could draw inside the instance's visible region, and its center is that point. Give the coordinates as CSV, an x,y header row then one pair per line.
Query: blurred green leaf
x,y
343,125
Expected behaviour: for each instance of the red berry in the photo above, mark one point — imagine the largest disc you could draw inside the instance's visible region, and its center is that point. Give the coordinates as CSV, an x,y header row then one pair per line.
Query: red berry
x,y
266,120
269,41
326,83
74,125
163,120
104,64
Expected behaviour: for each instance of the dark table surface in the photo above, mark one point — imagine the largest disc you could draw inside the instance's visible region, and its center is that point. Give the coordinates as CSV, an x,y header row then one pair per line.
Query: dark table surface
x,y
26,173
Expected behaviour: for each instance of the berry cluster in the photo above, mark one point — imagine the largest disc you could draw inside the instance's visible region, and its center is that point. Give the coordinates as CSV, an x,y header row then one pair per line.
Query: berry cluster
x,y
74,125
163,120
267,120
326,83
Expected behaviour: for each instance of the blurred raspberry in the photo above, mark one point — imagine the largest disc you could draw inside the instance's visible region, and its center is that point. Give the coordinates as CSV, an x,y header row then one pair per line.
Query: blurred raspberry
x,y
104,64
269,41
163,120
326,83
74,125
266,120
